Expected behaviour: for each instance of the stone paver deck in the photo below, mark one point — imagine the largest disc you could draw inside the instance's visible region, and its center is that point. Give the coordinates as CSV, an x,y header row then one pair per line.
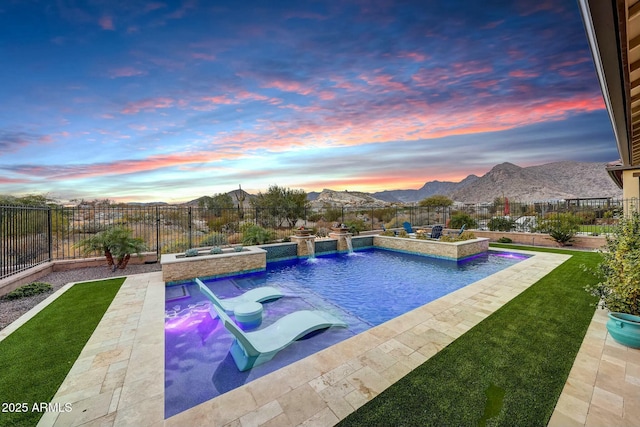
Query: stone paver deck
x,y
603,388
118,380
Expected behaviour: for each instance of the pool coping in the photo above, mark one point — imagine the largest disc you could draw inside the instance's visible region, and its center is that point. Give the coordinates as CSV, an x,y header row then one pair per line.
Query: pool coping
x,y
118,378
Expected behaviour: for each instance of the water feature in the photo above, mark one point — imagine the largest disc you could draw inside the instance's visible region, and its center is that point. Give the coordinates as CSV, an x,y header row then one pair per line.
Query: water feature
x,y
311,249
349,243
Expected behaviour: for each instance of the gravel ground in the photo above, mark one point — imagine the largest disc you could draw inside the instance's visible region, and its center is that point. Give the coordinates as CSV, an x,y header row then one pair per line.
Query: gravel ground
x,y
10,310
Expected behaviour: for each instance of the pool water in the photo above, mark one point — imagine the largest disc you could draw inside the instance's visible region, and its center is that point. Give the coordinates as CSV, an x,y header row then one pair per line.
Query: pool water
x,y
364,289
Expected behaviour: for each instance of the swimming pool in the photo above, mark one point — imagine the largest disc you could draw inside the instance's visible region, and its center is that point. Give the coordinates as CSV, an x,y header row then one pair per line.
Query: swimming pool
x,y
364,290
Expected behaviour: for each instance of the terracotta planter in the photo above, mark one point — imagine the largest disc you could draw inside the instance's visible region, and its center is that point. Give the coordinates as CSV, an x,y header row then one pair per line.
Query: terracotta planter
x,y
303,233
340,229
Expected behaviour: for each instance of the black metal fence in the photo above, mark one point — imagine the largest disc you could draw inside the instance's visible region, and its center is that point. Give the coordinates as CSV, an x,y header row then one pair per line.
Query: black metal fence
x,y
31,235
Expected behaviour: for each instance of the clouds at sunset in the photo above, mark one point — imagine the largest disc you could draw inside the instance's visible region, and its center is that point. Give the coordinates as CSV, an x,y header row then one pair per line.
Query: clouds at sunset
x,y
350,94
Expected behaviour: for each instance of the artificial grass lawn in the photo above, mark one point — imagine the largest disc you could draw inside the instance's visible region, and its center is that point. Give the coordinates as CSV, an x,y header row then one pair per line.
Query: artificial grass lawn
x,y
508,370
35,359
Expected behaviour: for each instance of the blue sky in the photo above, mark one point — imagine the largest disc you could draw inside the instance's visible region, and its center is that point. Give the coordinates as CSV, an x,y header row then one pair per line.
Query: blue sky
x,y
172,100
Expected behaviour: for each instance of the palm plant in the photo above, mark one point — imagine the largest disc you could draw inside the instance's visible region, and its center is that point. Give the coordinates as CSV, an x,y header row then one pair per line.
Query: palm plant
x,y
117,243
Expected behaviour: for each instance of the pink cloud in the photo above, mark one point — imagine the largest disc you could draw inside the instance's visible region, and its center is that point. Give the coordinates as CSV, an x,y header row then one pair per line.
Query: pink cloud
x,y
154,6
289,86
150,104
4,180
493,24
523,74
416,56
485,84
126,72
203,56
222,99
106,23
385,81
58,173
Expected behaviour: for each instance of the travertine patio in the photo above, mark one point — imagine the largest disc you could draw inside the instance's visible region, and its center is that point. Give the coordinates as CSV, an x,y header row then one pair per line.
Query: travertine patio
x,y
119,377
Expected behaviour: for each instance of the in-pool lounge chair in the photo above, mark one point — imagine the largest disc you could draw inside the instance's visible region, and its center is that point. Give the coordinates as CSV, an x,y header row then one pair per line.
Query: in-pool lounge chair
x,y
264,293
250,349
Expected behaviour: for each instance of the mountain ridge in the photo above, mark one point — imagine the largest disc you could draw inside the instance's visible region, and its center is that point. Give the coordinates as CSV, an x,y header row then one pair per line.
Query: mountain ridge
x,y
549,181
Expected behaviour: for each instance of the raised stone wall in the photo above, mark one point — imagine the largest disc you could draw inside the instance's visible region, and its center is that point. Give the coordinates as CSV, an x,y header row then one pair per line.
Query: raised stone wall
x,y
448,250
176,268
541,239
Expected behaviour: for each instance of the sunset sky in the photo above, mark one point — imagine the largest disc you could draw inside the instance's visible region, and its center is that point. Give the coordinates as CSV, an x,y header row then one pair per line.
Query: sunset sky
x,y
144,101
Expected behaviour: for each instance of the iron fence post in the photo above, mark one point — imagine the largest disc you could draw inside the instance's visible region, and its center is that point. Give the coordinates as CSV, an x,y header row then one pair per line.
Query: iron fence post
x,y
49,234
189,226
157,233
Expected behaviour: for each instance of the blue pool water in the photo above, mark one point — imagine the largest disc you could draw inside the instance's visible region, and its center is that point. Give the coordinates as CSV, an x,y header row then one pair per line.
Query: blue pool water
x,y
363,289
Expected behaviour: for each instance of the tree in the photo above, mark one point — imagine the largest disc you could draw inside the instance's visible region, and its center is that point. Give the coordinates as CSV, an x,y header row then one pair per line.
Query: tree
x,y
279,205
217,204
461,218
436,201
31,200
439,202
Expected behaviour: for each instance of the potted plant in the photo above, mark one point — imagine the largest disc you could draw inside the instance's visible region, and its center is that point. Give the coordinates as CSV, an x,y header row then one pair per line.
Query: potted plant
x,y
619,289
302,231
340,228
117,243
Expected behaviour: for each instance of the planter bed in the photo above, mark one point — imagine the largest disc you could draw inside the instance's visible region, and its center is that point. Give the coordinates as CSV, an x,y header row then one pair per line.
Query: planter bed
x,y
177,268
435,248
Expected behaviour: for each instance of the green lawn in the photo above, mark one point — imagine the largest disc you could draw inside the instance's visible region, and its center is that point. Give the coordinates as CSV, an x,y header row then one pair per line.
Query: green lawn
x,y
599,229
35,359
508,370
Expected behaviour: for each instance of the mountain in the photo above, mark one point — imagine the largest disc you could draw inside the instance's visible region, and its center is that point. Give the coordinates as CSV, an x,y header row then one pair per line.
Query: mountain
x,y
345,198
235,196
429,189
552,181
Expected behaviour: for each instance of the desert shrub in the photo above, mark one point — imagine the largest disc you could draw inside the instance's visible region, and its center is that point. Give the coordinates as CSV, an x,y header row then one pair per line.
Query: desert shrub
x,y
504,240
619,271
234,238
321,231
314,217
393,223
355,226
403,233
256,235
388,233
175,246
215,250
214,239
501,224
561,227
384,214
31,289
460,218
467,235
587,217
